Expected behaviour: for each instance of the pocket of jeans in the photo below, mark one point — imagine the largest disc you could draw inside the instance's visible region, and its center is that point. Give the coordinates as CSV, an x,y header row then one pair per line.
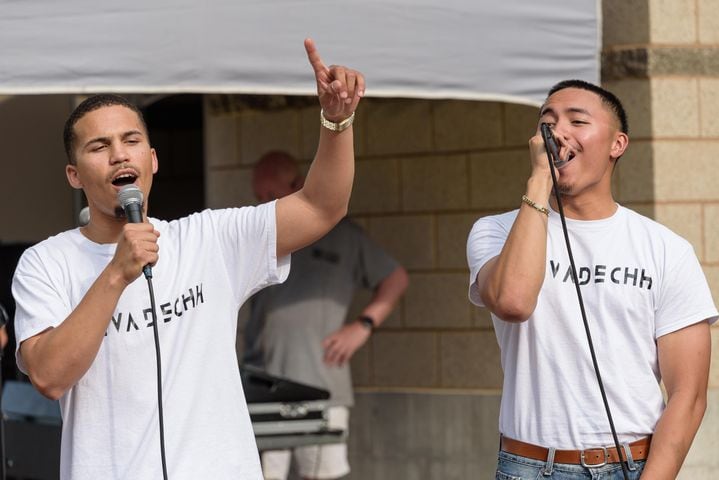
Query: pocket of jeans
x,y
504,476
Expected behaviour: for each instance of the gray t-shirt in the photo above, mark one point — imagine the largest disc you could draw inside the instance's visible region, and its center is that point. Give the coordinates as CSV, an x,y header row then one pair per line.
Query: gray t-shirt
x,y
289,321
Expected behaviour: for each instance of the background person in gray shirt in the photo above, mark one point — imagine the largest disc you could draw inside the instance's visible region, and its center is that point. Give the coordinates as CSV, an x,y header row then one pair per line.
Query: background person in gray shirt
x,y
298,330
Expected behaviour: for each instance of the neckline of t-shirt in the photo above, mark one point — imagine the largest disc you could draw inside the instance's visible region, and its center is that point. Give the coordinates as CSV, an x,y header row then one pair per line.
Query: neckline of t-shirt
x,y
104,248
588,224
87,244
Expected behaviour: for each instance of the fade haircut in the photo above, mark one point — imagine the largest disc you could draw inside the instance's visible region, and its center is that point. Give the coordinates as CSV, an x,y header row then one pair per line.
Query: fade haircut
x,y
608,99
90,105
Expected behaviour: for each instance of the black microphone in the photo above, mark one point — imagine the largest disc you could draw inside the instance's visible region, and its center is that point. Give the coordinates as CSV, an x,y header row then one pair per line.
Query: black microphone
x,y
551,145
130,198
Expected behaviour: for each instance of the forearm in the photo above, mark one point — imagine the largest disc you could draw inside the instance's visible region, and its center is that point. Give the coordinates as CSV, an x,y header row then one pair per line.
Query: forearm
x,y
386,296
673,436
59,357
516,277
328,185
308,214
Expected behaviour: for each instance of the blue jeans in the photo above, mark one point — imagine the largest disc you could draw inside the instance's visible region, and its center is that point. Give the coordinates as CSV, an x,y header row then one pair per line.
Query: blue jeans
x,y
513,467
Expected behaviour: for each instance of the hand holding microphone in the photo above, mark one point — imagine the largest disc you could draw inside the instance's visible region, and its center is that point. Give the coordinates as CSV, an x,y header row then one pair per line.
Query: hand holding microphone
x,y
552,147
137,248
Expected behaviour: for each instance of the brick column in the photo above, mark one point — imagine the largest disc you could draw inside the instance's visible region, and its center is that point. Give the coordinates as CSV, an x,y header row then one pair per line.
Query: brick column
x,y
662,58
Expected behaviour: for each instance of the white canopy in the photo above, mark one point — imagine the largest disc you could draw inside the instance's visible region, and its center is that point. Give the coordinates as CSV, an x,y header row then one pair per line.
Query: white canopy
x,y
511,50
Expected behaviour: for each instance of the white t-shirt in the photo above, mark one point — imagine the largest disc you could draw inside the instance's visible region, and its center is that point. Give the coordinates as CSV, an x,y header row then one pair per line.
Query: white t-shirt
x,y
639,281
210,263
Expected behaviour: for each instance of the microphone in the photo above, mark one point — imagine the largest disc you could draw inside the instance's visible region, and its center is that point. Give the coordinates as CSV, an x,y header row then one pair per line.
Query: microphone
x,y
130,198
551,145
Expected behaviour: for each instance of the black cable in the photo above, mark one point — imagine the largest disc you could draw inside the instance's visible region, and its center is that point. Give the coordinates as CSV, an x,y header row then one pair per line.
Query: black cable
x,y
159,376
548,144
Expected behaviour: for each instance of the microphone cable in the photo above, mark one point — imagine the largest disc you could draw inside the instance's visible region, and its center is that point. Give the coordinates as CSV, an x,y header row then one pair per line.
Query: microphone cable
x,y
158,357
553,153
130,198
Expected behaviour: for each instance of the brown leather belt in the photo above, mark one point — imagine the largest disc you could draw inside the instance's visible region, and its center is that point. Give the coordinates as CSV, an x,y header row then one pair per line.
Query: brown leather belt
x,y
590,457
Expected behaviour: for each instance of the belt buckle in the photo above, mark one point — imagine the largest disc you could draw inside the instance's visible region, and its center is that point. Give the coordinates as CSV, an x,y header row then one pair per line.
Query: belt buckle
x,y
594,465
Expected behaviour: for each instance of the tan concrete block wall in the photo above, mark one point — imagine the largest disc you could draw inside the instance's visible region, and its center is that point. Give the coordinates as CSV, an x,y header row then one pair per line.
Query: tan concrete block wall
x,y
672,21
376,187
711,233
435,183
625,22
634,174
709,106
437,300
636,98
452,233
685,170
409,238
221,141
714,374
708,19
686,219
398,126
675,107
462,125
470,359
499,179
263,131
405,359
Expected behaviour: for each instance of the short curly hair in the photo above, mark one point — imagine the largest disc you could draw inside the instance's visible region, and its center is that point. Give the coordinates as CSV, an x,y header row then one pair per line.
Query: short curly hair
x,y
90,105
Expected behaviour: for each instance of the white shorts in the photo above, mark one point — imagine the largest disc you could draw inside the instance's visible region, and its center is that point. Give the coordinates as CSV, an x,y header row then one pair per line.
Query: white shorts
x,y
312,461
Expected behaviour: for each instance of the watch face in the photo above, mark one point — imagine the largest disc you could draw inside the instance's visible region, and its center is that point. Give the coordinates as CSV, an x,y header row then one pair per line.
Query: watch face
x,y
366,321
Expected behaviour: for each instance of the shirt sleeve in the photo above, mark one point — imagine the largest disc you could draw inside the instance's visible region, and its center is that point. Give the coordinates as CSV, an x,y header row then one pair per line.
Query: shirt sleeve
x,y
39,303
684,298
247,240
485,242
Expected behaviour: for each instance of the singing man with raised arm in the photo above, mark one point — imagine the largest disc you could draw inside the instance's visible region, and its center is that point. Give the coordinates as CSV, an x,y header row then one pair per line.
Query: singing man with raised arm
x,y
648,305
84,323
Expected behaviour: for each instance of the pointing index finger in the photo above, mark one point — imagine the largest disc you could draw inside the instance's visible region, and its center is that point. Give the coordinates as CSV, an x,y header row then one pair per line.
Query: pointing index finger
x,y
314,57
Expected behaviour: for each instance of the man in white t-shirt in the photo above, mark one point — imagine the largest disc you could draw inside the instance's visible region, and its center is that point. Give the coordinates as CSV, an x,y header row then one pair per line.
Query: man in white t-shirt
x,y
84,319
647,302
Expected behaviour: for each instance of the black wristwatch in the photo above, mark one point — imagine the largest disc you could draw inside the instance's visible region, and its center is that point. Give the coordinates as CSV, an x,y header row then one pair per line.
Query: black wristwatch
x,y
366,322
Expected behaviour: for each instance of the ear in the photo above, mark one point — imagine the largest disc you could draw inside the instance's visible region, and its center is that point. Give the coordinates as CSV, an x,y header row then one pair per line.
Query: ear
x,y
155,165
73,177
619,145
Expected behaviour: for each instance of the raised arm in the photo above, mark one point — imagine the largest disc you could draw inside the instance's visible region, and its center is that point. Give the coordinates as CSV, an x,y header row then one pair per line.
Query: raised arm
x,y
58,357
509,283
309,213
684,364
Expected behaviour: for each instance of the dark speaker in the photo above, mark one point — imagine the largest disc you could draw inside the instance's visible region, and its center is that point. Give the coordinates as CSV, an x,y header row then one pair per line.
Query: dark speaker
x,y
33,426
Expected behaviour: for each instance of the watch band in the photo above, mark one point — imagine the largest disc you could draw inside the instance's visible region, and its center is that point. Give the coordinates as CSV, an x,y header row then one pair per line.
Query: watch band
x,y
336,126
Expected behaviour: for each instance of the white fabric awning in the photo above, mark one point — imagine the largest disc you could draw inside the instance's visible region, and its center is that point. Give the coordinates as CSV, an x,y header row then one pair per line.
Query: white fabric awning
x,y
469,49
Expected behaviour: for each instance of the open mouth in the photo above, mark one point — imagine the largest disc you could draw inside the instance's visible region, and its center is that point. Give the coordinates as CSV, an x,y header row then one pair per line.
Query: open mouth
x,y
562,162
123,179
